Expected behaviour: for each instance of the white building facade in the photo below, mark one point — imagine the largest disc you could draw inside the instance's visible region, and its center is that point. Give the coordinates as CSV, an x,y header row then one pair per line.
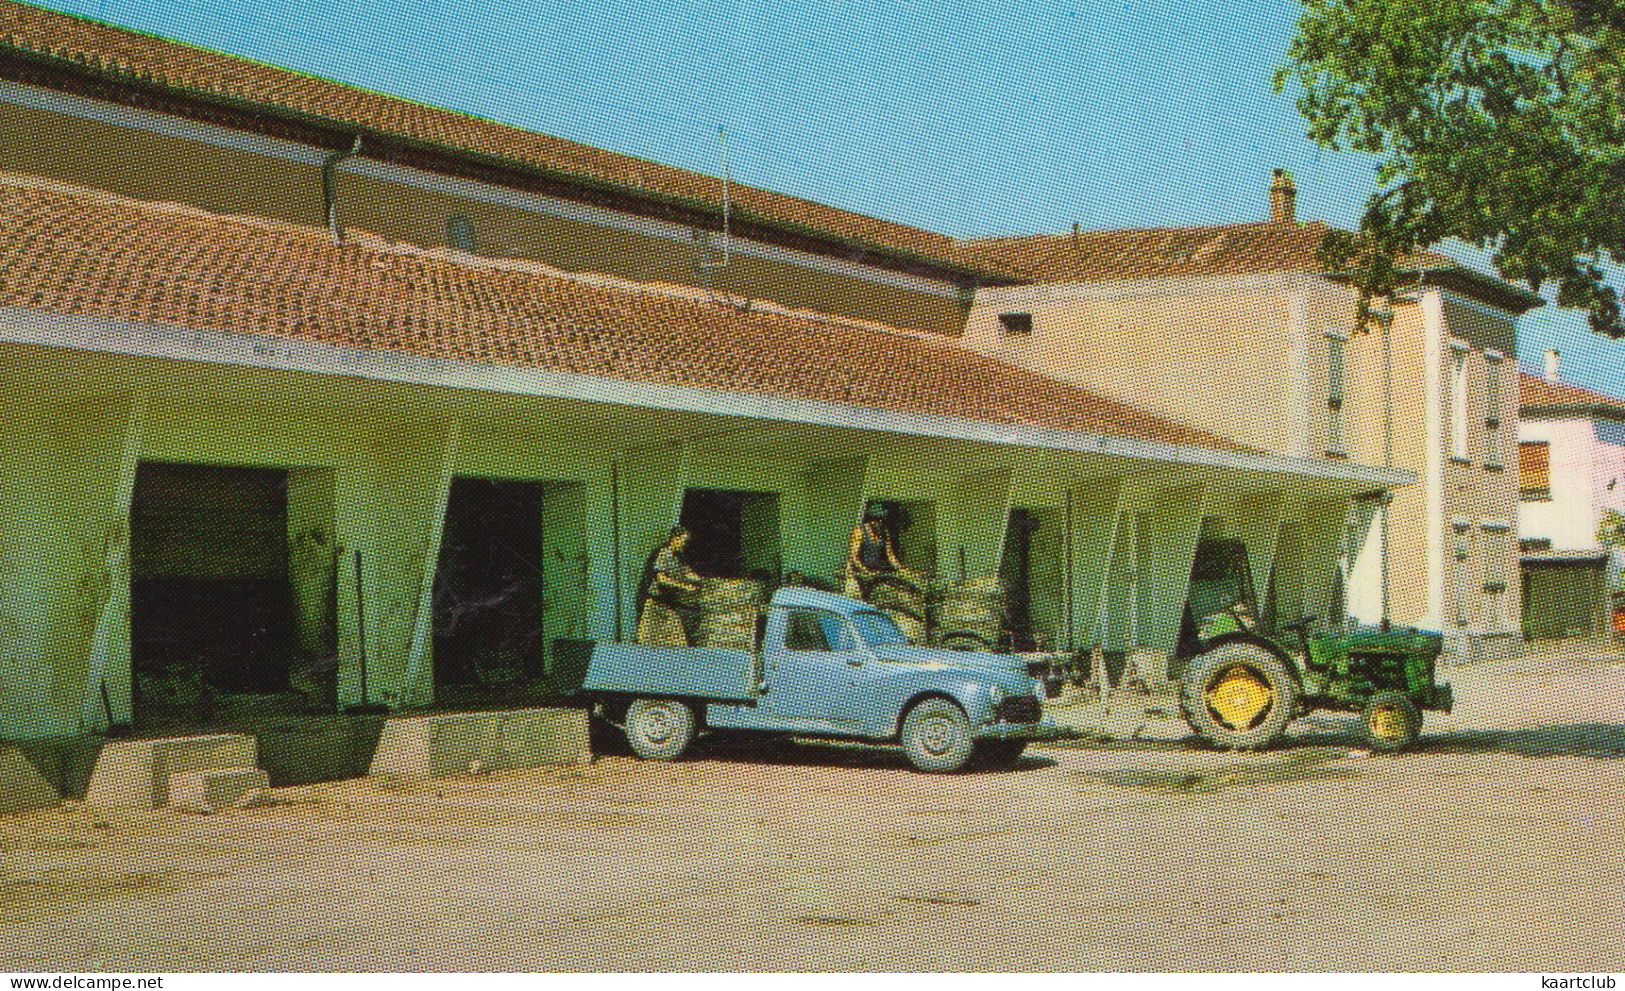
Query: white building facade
x,y
1571,456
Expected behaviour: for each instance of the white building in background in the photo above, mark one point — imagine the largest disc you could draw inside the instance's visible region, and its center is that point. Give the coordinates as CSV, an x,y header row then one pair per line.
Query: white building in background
x,y
1571,471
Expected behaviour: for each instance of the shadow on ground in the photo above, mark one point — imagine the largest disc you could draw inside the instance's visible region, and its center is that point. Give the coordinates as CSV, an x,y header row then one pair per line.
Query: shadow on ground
x,y
1604,741
1296,764
1600,740
750,748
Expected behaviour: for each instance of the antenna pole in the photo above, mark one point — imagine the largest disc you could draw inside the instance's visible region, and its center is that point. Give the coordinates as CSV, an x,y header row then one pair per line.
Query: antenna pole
x,y
727,193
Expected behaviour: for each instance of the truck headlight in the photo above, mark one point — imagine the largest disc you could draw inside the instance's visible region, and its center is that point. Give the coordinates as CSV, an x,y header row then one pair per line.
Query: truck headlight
x,y
995,694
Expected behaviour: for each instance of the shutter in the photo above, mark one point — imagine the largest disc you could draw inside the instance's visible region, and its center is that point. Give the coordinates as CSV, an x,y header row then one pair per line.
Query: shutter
x,y
1534,470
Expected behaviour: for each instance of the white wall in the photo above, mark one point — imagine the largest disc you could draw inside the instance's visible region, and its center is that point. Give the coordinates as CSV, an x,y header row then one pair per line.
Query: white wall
x,y
1582,465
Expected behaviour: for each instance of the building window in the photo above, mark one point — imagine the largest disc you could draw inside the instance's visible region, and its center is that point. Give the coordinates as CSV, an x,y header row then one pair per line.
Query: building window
x,y
1016,323
1492,421
460,233
1534,471
1497,551
1462,551
1337,366
1458,404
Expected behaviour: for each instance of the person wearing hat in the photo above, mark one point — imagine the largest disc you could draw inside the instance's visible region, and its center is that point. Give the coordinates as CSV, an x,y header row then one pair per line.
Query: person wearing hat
x,y
665,595
871,552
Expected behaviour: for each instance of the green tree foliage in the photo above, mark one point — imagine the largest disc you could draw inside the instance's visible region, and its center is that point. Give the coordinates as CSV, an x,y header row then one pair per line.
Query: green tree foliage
x,y
1611,528
1498,122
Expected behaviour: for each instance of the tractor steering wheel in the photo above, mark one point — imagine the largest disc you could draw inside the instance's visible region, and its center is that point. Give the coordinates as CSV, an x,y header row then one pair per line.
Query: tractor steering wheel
x,y
1300,626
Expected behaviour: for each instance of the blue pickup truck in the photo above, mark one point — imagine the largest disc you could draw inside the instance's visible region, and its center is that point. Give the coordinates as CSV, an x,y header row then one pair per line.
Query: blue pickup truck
x,y
827,666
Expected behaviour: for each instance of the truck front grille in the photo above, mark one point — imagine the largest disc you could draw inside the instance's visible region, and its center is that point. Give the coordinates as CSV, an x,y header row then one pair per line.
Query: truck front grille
x,y
1020,709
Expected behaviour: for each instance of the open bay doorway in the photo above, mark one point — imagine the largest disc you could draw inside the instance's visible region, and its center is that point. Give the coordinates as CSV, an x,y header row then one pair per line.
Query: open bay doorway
x,y
1031,571
512,578
233,592
735,534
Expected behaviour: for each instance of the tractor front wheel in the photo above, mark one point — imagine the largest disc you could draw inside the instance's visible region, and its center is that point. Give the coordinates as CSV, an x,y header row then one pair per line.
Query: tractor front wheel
x,y
1239,696
1392,722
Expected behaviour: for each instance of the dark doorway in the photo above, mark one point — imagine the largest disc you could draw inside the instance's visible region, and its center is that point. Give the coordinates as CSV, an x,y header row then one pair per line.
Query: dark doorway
x,y
489,588
735,534
211,607
1015,570
913,528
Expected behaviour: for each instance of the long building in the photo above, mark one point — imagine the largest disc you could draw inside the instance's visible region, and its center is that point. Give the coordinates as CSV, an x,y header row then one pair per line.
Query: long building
x,y
315,396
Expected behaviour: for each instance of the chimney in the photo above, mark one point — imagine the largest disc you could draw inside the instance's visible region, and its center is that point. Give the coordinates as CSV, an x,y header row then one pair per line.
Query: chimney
x,y
1553,359
1283,198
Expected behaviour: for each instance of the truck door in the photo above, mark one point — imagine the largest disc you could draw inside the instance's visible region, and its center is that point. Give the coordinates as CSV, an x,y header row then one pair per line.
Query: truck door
x,y
809,661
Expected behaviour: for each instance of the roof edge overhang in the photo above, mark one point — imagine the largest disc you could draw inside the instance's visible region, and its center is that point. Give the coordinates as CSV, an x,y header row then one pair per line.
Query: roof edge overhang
x,y
172,342
237,113
1478,286
1564,559
1571,411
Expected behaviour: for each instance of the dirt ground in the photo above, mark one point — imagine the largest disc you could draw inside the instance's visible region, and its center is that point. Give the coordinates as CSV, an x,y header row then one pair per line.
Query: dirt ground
x,y
1496,846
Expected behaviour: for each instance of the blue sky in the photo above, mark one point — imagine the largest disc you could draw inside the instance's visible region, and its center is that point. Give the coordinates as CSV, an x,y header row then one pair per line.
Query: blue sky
x,y
965,117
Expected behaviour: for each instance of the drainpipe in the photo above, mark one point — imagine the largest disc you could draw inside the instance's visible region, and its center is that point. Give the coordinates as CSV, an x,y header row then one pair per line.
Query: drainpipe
x,y
330,193
1385,317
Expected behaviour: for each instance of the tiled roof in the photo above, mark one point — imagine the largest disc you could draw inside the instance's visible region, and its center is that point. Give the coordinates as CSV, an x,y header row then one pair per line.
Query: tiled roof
x,y
134,58
1176,252
1537,393
70,250
152,60
1091,256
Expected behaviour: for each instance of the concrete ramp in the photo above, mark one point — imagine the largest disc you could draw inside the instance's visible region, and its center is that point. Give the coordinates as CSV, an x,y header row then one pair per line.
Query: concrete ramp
x,y
24,784
135,774
207,792
471,742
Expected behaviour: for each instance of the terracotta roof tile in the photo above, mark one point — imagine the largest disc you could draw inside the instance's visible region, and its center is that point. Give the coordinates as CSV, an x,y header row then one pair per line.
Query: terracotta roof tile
x,y
69,250
1168,251
1175,252
1535,392
1096,255
152,59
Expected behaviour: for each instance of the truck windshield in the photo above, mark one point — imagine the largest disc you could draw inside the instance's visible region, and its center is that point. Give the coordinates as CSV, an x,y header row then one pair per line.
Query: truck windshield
x,y
878,630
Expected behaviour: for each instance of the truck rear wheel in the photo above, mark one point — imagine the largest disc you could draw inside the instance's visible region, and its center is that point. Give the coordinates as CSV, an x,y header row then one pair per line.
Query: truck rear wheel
x,y
937,736
1392,721
659,729
1239,696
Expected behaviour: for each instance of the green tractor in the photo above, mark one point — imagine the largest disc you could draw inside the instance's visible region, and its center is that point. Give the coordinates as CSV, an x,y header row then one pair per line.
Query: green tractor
x,y
1243,682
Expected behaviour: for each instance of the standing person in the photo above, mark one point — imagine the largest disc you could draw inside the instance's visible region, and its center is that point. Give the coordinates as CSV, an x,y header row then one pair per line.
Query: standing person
x,y
871,552
666,593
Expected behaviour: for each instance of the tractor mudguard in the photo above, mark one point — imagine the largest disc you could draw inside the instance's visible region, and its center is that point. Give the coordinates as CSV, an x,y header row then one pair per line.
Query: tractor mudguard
x,y
1258,641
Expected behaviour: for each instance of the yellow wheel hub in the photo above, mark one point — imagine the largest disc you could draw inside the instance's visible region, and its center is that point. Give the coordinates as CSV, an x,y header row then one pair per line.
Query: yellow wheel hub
x,y
1239,696
1388,722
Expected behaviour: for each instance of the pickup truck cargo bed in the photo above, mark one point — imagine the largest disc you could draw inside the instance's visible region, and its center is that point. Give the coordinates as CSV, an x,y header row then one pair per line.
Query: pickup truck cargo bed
x,y
709,673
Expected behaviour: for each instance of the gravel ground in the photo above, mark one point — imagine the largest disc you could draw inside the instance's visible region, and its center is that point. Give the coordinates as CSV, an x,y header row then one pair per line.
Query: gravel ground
x,y
1497,845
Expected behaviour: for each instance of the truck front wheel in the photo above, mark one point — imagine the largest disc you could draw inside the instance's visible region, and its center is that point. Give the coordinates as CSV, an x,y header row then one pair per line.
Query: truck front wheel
x,y
659,729
937,736
1239,696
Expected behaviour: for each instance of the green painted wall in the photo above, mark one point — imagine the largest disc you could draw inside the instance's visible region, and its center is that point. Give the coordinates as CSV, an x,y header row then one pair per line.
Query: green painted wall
x,y
369,467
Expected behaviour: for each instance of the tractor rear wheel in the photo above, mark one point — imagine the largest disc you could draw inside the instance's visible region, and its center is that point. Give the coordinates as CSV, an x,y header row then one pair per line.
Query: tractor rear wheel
x,y
1392,722
1239,696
